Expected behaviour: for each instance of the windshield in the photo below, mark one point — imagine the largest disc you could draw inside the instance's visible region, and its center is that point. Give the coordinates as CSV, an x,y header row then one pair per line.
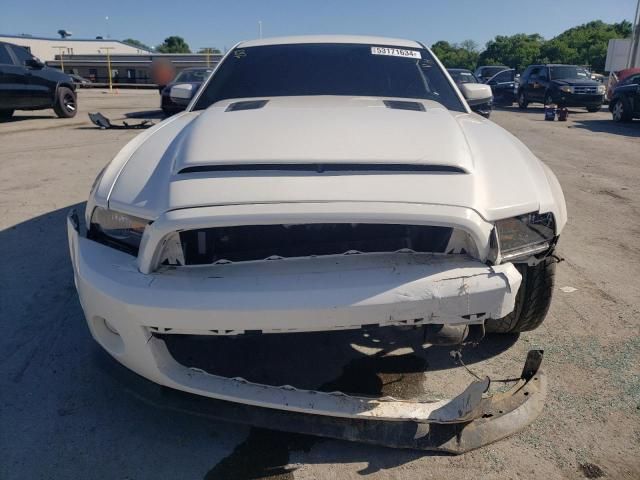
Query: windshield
x,y
192,76
488,72
463,76
569,71
329,69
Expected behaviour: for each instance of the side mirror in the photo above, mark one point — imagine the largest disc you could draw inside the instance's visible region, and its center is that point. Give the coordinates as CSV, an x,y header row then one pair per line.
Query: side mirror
x,y
34,63
476,93
182,93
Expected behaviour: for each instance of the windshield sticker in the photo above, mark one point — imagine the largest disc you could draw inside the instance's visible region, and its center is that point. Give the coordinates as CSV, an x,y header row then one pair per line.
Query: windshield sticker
x,y
395,52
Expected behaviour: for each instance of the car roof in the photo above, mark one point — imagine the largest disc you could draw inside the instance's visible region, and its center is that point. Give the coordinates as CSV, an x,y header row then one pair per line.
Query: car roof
x,y
554,65
361,39
459,70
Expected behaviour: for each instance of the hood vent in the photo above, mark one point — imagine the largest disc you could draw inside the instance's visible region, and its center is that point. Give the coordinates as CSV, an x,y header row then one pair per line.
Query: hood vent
x,y
329,168
404,105
246,105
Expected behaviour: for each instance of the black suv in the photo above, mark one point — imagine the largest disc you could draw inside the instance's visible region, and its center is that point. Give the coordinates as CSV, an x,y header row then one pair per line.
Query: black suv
x,y
625,100
564,85
27,84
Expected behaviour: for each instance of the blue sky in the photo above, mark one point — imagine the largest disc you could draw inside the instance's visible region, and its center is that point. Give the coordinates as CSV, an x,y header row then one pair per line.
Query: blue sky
x,y
222,24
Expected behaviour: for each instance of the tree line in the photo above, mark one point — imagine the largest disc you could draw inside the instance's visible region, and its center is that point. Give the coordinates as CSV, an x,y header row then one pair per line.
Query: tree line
x,y
172,44
582,45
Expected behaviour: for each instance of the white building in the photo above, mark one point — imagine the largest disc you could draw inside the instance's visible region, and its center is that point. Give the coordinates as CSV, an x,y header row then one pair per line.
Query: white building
x,y
46,49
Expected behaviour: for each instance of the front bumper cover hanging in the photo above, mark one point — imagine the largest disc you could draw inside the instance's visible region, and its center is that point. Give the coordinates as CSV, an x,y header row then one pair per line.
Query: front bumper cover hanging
x,y
466,422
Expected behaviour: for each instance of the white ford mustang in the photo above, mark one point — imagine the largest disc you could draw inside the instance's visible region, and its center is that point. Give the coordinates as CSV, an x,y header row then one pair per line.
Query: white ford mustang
x,y
314,183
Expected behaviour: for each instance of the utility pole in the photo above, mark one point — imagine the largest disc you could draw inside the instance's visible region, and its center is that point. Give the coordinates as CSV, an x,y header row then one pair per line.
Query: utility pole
x,y
632,61
60,50
108,49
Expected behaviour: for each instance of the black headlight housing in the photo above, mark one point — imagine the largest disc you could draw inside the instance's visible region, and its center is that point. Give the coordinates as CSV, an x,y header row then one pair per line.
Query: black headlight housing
x,y
117,230
518,238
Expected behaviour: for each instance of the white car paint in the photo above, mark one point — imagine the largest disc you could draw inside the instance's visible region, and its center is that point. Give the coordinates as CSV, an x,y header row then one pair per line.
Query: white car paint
x,y
127,300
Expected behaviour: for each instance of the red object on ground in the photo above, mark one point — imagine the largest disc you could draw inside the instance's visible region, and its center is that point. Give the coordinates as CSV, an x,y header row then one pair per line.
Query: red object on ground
x,y
563,113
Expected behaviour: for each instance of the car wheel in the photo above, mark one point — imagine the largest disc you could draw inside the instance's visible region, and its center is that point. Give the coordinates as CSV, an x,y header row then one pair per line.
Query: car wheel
x,y
594,109
6,114
548,99
532,301
522,100
621,110
66,105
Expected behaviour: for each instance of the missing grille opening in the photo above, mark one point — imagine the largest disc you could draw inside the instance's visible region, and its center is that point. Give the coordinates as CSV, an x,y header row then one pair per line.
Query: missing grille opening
x,y
258,242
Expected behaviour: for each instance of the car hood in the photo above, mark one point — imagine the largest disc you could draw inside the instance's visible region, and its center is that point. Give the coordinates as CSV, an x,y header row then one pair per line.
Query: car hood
x,y
472,162
578,82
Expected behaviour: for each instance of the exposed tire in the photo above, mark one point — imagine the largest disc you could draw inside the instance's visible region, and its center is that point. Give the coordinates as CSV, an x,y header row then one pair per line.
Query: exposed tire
x,y
6,114
522,100
594,109
548,99
532,301
66,104
621,110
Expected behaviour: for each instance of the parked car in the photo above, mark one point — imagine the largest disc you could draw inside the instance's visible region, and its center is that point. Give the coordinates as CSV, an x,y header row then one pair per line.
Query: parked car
x,y
462,76
504,86
485,72
617,77
355,190
192,77
563,85
625,100
27,84
80,81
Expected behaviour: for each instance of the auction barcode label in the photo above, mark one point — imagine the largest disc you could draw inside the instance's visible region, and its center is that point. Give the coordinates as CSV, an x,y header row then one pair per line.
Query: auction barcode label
x,y
395,52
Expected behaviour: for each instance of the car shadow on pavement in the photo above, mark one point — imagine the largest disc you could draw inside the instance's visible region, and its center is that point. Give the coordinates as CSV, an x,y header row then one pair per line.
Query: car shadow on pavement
x,y
46,348
19,118
539,110
630,129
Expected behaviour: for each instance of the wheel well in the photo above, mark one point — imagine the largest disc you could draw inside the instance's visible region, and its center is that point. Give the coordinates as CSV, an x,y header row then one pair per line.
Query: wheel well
x,y
65,84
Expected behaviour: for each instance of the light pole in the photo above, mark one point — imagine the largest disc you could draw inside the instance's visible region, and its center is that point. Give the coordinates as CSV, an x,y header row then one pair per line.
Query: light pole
x,y
635,40
60,50
108,49
260,28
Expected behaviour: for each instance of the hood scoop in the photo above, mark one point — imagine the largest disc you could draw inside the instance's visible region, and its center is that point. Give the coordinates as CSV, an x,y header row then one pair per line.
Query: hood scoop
x,y
246,105
358,133
329,168
404,105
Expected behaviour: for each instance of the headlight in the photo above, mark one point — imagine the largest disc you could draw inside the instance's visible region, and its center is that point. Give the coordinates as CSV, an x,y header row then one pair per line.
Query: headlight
x,y
566,89
601,89
117,229
523,236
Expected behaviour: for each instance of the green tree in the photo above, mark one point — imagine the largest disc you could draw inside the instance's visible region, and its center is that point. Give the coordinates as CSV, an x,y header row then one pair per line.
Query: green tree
x,y
210,50
174,44
452,55
515,51
136,43
585,44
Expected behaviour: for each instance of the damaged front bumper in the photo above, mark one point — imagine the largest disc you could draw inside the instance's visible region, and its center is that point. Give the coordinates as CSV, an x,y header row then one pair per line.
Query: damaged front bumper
x,y
482,422
126,310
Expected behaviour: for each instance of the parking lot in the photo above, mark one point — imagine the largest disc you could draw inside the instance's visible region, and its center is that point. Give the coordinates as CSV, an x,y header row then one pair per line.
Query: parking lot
x,y
64,415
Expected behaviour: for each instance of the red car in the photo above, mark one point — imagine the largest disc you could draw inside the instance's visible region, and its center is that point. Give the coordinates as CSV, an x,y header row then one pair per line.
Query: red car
x,y
617,77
